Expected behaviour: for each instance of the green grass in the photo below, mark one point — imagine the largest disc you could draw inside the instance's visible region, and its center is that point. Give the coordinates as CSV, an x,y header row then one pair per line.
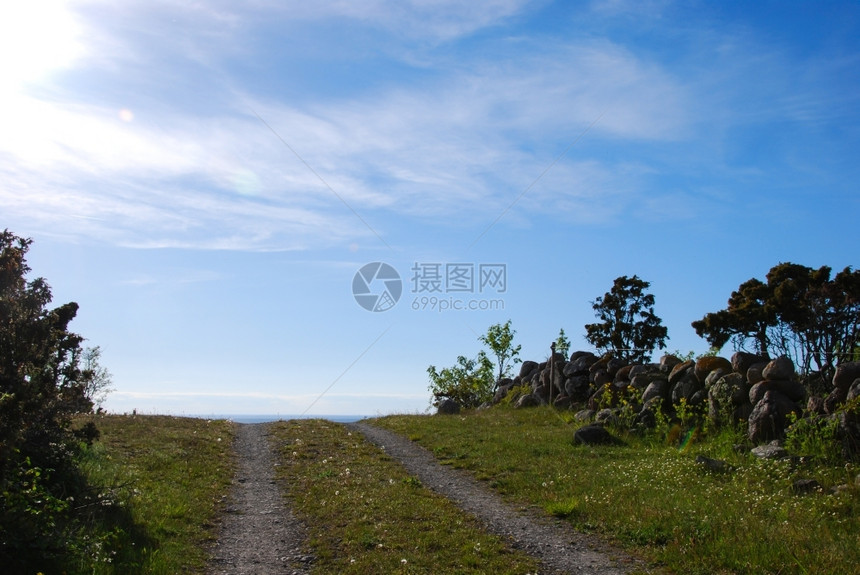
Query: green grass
x,y
365,514
654,497
161,481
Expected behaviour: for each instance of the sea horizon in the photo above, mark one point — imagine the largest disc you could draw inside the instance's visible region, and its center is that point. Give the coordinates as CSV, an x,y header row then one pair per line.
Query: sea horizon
x,y
266,418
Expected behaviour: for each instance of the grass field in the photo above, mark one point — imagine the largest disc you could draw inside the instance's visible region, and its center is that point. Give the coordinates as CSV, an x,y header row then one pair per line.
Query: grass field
x,y
161,481
654,497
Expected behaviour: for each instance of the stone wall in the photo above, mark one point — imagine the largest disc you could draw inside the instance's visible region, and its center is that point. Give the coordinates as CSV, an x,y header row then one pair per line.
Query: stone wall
x,y
763,393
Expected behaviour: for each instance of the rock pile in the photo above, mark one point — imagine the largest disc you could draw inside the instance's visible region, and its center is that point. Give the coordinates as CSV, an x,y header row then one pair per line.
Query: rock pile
x,y
764,393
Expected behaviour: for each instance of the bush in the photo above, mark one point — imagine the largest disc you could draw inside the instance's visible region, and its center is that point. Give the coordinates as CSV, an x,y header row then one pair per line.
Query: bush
x,y
469,382
42,385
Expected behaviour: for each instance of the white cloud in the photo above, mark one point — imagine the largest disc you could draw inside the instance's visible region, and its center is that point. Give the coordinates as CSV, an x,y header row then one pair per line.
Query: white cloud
x,y
459,145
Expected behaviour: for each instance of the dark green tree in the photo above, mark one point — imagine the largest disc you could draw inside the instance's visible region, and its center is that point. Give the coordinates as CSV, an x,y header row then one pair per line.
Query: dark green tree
x,y
628,327
747,318
804,313
42,385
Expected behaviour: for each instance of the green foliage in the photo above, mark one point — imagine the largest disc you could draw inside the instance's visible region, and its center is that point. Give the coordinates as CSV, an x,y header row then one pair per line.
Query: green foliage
x,y
43,383
562,344
813,435
499,338
628,328
799,312
469,382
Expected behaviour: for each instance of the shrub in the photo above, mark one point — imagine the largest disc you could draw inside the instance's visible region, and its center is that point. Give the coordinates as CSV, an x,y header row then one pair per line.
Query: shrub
x,y
469,382
42,385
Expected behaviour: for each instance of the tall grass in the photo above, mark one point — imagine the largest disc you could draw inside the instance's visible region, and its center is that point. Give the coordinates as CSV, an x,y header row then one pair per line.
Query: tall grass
x,y
654,496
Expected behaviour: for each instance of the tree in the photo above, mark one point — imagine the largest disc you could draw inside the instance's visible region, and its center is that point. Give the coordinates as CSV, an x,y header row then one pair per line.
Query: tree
x,y
469,382
800,312
747,318
42,385
499,339
562,344
629,328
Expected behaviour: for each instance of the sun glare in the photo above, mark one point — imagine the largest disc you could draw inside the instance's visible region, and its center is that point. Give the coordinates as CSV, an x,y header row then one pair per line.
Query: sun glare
x,y
36,38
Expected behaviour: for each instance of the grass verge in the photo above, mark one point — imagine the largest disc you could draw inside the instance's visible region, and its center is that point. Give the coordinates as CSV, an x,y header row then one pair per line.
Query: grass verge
x,y
365,514
161,480
656,497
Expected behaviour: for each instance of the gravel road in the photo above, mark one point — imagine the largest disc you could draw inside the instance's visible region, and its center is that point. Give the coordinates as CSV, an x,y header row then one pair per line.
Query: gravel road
x,y
260,536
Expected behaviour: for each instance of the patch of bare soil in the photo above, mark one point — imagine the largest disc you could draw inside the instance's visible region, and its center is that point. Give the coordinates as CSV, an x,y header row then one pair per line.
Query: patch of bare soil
x,y
258,534
555,543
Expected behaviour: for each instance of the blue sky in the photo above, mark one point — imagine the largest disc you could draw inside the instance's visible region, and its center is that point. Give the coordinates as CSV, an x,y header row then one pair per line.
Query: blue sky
x,y
206,180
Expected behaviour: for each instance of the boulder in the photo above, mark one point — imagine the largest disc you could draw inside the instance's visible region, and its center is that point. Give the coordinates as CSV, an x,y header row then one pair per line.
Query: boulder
x,y
594,435
845,375
561,402
758,390
754,374
742,361
835,400
623,374
698,398
643,380
578,354
448,407
657,389
584,415
680,370
854,390
601,377
713,465
576,387
527,367
599,365
685,387
769,417
781,368
714,376
667,362
528,400
792,389
606,417
605,393
709,363
770,451
614,365
640,369
580,364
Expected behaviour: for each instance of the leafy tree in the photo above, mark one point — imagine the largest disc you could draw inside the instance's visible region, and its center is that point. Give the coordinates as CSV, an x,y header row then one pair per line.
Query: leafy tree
x,y
469,382
562,344
628,327
42,385
499,339
799,311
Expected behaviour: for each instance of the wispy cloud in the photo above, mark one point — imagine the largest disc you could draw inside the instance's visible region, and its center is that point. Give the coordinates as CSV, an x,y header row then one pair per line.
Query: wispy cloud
x,y
458,142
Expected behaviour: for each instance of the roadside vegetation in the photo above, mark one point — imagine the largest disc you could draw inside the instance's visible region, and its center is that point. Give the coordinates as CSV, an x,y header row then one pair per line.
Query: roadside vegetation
x,y
365,514
651,494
